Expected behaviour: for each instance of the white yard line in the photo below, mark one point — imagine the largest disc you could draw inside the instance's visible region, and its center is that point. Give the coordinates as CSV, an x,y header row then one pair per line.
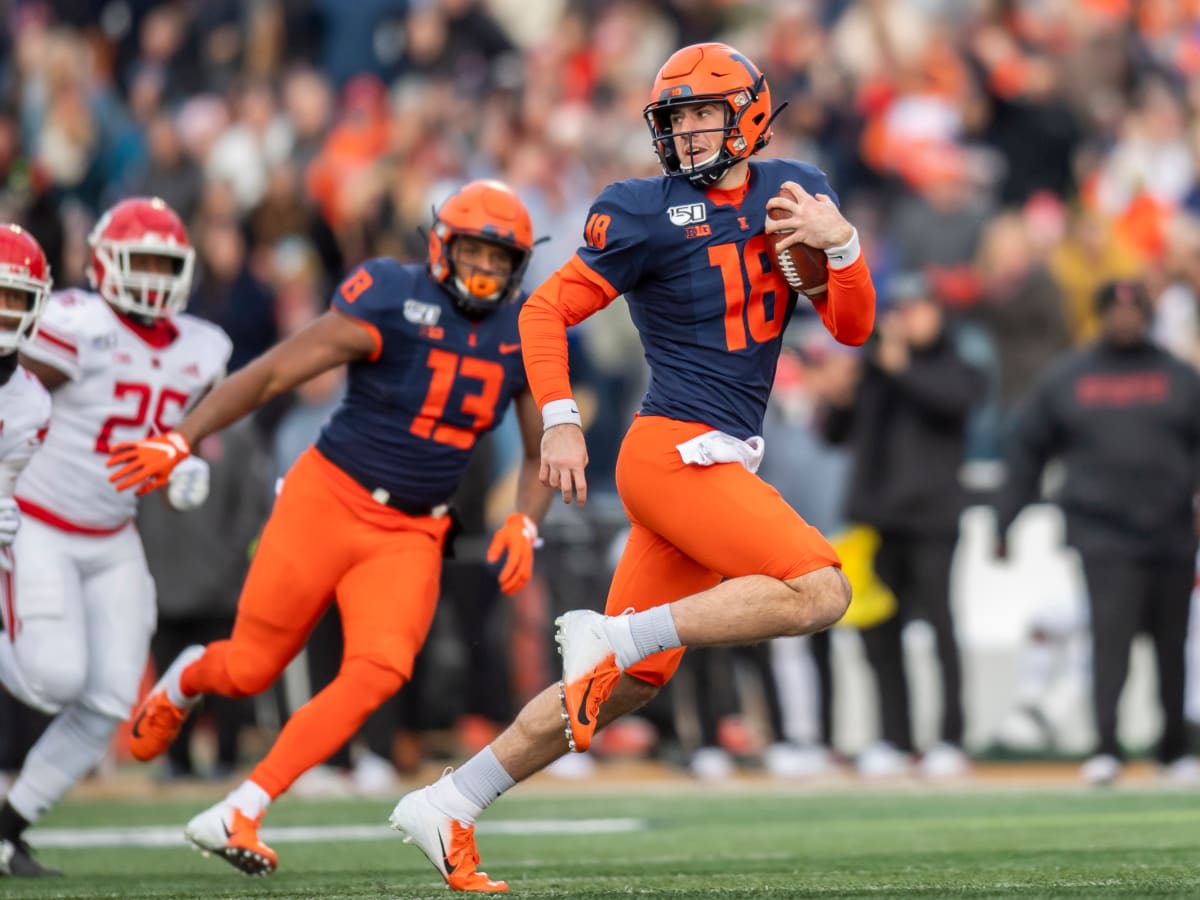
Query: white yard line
x,y
172,836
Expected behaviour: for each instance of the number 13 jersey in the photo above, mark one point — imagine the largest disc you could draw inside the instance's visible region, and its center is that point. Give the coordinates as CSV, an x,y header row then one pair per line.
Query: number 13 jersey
x,y
125,382
436,381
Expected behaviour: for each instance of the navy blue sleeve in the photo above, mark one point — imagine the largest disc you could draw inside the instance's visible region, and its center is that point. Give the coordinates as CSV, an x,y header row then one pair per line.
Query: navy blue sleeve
x,y
369,292
615,237
810,178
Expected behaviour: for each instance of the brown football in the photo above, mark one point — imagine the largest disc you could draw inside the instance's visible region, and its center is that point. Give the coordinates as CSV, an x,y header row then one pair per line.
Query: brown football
x,y
805,268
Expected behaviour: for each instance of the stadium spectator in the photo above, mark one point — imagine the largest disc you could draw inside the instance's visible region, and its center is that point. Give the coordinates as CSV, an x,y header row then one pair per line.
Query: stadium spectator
x,y
907,425
1124,417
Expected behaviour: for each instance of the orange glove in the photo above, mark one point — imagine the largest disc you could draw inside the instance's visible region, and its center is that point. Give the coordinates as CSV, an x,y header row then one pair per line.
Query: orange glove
x,y
517,537
147,464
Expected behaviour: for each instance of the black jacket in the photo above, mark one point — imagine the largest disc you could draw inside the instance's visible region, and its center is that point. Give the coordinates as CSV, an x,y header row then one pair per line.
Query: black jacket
x,y
908,437
1126,424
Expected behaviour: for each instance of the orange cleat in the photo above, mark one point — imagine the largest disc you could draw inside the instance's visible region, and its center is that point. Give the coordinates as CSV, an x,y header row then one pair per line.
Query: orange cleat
x,y
157,721
590,673
445,841
226,831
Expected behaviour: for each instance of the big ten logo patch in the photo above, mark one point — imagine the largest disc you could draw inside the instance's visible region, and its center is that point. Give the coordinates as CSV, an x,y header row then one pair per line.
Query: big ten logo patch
x,y
695,231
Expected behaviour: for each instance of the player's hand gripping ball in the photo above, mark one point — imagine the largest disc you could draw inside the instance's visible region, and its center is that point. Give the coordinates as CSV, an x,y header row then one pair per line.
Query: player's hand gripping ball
x,y
804,268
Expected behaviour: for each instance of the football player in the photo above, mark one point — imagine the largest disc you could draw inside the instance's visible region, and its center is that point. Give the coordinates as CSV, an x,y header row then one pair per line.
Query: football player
x,y
120,362
434,354
24,419
715,556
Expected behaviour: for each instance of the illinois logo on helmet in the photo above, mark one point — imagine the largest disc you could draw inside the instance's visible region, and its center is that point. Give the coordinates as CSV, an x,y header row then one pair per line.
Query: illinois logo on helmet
x,y
24,286
490,211
142,260
710,73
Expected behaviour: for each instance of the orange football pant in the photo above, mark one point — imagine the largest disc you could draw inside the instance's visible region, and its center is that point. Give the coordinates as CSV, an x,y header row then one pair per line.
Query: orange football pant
x,y
326,538
693,526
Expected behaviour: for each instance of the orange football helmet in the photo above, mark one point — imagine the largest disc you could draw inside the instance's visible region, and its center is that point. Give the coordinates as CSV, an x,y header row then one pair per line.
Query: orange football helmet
x,y
141,226
710,73
491,211
23,267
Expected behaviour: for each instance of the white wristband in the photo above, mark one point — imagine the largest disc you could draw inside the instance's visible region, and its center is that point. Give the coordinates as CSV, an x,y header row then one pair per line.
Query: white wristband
x,y
561,412
844,255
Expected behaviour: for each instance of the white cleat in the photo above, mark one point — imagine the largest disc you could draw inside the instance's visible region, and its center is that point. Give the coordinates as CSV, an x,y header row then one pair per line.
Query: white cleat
x,y
446,843
225,830
590,673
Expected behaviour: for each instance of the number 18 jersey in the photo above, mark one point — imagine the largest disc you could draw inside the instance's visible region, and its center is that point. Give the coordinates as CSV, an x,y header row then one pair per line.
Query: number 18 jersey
x,y
125,382
707,302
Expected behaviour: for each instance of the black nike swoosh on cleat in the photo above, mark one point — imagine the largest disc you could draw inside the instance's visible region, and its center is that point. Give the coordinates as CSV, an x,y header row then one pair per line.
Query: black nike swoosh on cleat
x,y
446,859
136,731
582,714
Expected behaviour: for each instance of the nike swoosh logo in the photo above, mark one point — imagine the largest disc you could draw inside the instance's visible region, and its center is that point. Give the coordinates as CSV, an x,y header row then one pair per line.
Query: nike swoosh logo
x,y
446,859
136,731
509,348
225,828
582,714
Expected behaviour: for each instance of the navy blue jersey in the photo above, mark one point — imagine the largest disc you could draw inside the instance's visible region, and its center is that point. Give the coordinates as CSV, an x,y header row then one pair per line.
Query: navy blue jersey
x,y
411,415
702,290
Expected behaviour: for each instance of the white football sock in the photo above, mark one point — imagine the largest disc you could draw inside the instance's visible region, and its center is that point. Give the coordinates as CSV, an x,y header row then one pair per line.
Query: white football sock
x,y
467,792
638,635
251,799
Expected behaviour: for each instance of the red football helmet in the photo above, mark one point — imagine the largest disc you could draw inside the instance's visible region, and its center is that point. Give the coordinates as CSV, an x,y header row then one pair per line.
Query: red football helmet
x,y
493,212
710,73
23,267
141,226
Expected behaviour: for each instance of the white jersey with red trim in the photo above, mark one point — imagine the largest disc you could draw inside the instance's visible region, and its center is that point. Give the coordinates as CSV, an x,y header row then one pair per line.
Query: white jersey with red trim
x,y
24,418
125,382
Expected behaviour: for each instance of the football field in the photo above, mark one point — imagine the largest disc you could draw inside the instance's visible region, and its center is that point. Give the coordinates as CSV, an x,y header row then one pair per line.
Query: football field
x,y
668,841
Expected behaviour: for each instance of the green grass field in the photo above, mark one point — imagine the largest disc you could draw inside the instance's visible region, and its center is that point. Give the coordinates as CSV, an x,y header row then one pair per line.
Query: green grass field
x,y
673,843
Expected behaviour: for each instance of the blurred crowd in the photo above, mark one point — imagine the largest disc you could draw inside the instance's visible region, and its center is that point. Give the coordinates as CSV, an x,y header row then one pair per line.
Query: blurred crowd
x,y
1001,158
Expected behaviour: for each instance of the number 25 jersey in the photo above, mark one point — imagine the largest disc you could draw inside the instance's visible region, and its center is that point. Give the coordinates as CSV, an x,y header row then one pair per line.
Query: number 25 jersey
x,y
437,380
125,382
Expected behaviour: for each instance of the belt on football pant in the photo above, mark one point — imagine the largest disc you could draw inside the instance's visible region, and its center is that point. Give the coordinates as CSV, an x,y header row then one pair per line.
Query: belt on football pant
x,y
384,496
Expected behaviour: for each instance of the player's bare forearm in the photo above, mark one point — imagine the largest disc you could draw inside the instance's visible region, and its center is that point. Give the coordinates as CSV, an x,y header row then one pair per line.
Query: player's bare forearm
x,y
533,497
330,341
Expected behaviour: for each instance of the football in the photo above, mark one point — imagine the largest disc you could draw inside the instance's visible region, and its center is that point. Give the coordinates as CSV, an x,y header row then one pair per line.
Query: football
x,y
805,268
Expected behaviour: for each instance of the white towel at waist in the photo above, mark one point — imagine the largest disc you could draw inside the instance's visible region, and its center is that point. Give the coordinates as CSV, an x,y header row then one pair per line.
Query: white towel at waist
x,y
718,447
